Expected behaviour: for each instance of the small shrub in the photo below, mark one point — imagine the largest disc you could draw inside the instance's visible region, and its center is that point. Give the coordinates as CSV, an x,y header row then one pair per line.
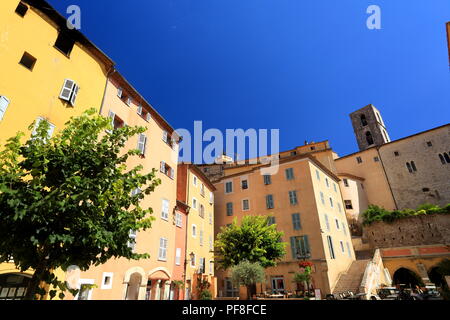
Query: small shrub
x,y
205,295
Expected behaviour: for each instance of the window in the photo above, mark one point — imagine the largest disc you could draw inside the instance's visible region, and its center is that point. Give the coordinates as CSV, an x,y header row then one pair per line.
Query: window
x,y
179,220
193,260
211,267
211,197
119,92
167,170
296,221
330,247
194,203
344,228
201,212
348,250
445,158
201,238
145,114
300,247
132,242
293,197
334,187
411,167
202,265
376,159
317,175
327,223
50,128
358,159
4,103
322,198
345,183
142,141
228,187
135,192
194,180
244,184
85,291
269,201
116,122
178,256
28,61
425,189
339,207
348,204
363,120
331,202
369,138
289,174
69,91
245,205
202,189
64,43
107,278
293,153
342,246
267,179
441,157
194,230
337,223
313,148
271,221
327,183
210,218
165,209
162,249
210,243
429,144
165,137
21,9
396,153
229,208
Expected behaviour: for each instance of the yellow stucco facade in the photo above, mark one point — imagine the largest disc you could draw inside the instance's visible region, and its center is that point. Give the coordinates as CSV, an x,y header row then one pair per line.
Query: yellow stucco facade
x,y
29,93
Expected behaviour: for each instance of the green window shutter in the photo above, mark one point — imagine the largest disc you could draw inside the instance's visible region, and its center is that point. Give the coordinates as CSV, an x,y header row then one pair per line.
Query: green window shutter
x,y
307,248
296,221
294,247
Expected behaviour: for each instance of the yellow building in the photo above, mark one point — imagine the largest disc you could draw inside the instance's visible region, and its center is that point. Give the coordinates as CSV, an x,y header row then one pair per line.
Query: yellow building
x,y
305,202
195,189
48,72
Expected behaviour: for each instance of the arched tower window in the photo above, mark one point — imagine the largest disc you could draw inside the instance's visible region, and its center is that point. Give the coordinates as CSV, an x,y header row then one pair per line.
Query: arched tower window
x,y
369,138
363,120
409,167
413,166
447,158
442,158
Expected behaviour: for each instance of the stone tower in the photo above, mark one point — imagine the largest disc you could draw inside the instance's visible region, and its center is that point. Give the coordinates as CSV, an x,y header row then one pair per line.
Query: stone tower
x,y
369,127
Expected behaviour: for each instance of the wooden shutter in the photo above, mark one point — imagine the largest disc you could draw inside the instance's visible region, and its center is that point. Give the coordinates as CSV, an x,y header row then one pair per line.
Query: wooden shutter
x,y
74,94
294,247
141,143
4,103
67,89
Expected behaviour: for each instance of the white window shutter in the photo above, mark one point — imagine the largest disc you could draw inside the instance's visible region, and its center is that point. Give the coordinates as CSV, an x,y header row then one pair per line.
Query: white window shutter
x,y
148,116
67,89
119,92
111,115
74,94
172,173
165,136
141,143
51,129
38,120
4,103
139,110
163,167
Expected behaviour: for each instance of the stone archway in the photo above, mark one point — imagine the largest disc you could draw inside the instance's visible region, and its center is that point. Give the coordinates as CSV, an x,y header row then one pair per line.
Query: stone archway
x,y
133,286
135,283
437,278
13,286
407,277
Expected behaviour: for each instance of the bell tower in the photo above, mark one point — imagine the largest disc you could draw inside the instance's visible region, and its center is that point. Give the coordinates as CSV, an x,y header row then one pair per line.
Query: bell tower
x,y
369,127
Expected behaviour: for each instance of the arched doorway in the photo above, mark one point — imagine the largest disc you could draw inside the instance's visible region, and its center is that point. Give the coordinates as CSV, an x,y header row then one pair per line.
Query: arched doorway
x,y
436,277
13,286
404,276
133,286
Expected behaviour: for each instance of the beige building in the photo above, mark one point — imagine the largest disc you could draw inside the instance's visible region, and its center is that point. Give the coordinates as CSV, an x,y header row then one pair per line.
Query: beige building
x,y
146,279
305,202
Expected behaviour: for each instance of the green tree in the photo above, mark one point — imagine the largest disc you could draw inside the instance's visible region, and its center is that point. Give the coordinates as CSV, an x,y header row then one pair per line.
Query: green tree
x,y
254,240
66,200
247,274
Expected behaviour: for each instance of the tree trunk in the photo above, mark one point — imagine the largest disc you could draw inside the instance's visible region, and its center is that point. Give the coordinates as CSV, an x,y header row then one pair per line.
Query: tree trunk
x,y
34,283
248,293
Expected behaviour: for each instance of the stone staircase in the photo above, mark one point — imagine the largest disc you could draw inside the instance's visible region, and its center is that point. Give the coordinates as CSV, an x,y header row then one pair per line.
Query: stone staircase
x,y
351,280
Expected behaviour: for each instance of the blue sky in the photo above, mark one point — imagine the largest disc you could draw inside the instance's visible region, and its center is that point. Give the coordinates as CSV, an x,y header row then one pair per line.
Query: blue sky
x,y
300,66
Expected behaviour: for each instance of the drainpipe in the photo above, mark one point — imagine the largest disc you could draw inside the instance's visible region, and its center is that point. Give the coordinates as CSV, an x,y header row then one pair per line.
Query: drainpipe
x,y
187,230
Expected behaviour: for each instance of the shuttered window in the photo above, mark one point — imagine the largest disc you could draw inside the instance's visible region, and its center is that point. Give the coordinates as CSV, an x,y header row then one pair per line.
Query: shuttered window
x,y
69,91
293,197
229,208
289,173
162,249
267,179
142,141
269,201
300,248
178,256
4,103
296,221
327,223
165,209
330,247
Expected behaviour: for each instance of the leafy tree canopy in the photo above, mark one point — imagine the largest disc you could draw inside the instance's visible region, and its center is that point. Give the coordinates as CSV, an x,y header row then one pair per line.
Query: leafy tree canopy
x,y
66,200
254,240
247,273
